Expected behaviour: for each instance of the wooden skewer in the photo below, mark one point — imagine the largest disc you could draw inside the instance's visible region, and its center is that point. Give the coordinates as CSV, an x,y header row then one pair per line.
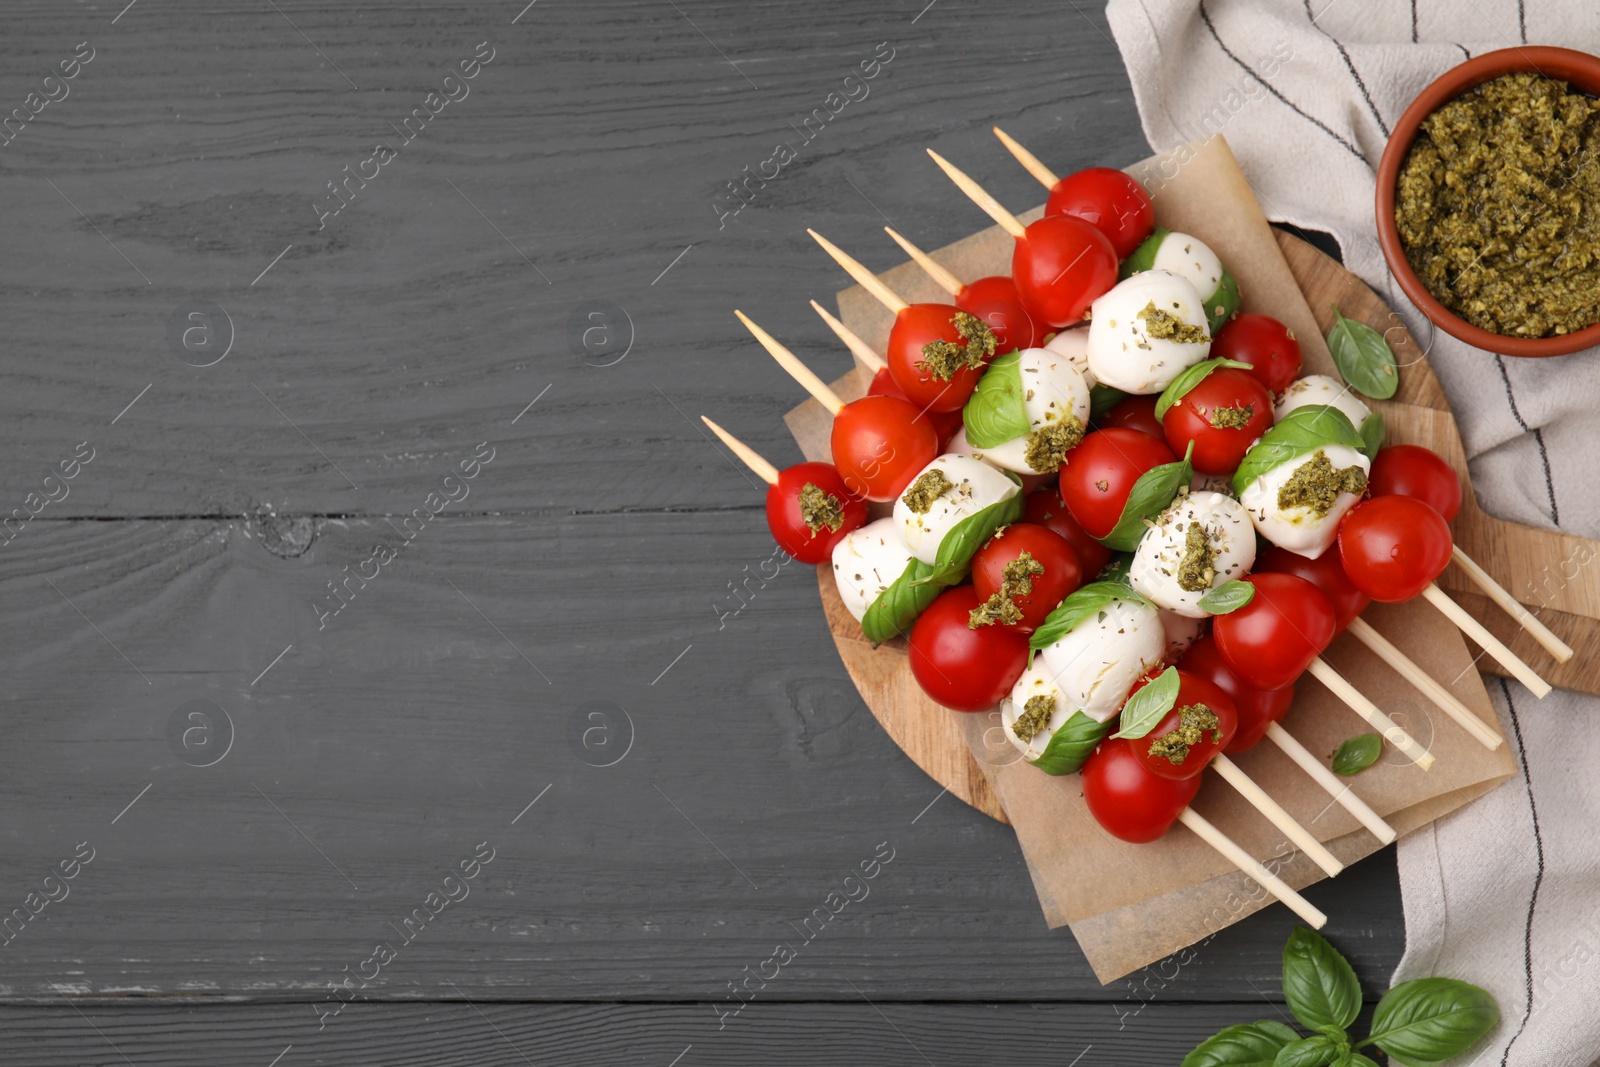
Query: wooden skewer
x,y
863,277
862,351
1429,686
1252,867
797,370
1486,640
1276,815
1512,606
1369,711
941,277
1029,161
752,459
975,192
1337,789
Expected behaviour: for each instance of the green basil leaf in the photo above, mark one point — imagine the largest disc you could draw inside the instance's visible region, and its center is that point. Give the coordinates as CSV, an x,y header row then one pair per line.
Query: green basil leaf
x,y
1146,708
1071,745
1221,304
1117,569
897,607
1081,603
995,413
1249,1045
1229,596
1150,496
1102,398
1313,1051
1363,357
1302,430
1372,435
1430,1019
1318,982
1143,258
1358,1060
1358,753
968,535
1187,379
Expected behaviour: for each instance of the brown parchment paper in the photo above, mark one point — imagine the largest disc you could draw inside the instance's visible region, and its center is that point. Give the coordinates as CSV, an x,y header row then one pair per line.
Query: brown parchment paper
x,y
1131,905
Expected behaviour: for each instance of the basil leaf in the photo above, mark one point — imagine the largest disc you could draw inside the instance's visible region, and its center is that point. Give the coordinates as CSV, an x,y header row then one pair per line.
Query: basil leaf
x,y
1358,1060
995,413
1430,1019
1372,435
1302,430
1249,1045
1116,570
1221,304
1311,1051
1188,379
893,611
968,535
1146,708
1102,398
1143,258
1358,753
1363,357
1318,982
1229,596
1150,496
1071,745
1081,603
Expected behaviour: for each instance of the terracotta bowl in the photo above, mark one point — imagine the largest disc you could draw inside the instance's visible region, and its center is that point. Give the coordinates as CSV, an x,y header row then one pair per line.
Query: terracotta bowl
x,y
1582,72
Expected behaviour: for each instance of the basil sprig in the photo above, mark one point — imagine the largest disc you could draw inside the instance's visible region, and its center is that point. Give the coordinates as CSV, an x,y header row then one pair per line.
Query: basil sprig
x,y
1081,603
1072,744
1371,435
1303,430
1150,496
1145,709
1254,1044
1227,597
995,414
893,611
1363,357
1356,754
1187,379
963,539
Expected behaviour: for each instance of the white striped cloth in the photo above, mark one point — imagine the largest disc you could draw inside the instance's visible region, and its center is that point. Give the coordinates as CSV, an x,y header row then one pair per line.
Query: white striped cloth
x,y
1505,892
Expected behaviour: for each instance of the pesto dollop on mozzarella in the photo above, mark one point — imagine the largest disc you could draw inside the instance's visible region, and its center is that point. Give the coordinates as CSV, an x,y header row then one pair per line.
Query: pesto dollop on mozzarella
x,y
1035,682
1201,541
1146,331
1055,399
1096,662
948,490
868,561
1304,528
1321,389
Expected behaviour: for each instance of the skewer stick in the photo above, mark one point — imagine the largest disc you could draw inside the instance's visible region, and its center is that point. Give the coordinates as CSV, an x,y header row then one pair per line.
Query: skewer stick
x,y
797,370
1252,867
752,459
1339,790
991,207
1029,161
941,277
863,277
862,351
1276,815
1429,686
1513,607
1486,640
1369,711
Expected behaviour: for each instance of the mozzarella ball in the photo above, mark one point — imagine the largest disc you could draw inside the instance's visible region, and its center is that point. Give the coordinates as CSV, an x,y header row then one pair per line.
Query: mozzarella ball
x,y
1182,631
1146,331
1052,392
1035,682
1192,260
972,486
1074,344
1321,389
1201,541
1096,662
1301,529
868,561
960,446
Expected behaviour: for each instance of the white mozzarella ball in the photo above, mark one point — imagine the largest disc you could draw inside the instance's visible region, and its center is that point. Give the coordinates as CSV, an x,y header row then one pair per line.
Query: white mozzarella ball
x,y
1122,352
1190,259
867,561
959,445
1182,631
974,486
1052,391
1321,389
1074,344
1300,529
1096,662
1035,682
1158,563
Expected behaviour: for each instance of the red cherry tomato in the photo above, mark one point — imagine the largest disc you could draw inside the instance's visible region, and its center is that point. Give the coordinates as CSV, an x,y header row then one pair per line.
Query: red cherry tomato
x,y
1098,475
1257,708
961,667
879,446
1238,395
1411,470
1271,640
1393,547
915,328
1181,761
1062,572
1108,200
787,523
1062,265
945,423
1326,572
1045,507
1264,343
995,301
1126,799
1134,413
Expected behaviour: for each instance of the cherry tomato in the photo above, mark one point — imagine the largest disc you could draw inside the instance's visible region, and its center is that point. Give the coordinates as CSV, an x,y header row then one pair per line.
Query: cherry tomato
x,y
1099,473
1062,265
1134,413
1257,708
1393,547
1264,343
1108,200
1223,416
961,667
945,423
879,445
1272,640
1045,507
785,514
1411,470
1326,572
1126,799
914,329
1061,575
1178,760
995,301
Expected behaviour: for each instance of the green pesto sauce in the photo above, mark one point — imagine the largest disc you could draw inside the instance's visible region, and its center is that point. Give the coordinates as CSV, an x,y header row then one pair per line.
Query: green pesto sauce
x,y
1197,567
1016,580
819,509
1035,717
926,489
943,358
1160,324
1048,446
1193,721
1317,484
1233,418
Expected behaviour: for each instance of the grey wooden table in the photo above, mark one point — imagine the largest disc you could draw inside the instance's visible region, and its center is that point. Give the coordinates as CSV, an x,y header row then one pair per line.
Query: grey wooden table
x,y
368,580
